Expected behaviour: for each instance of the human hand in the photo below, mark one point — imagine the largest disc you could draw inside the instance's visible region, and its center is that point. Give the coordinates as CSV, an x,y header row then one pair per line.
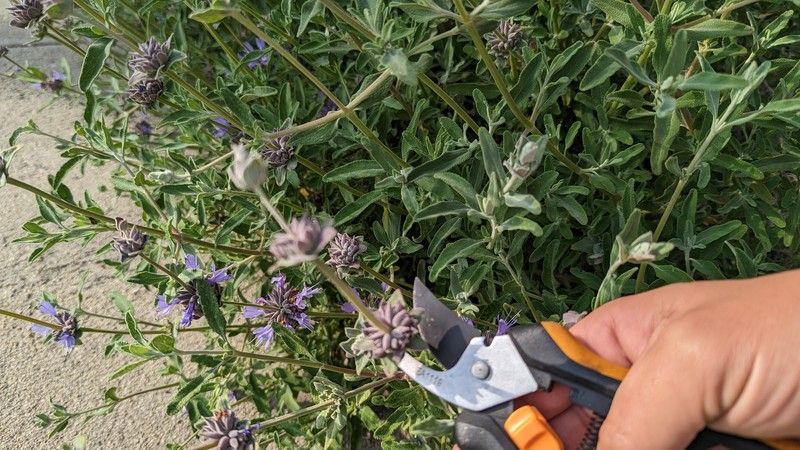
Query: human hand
x,y
718,354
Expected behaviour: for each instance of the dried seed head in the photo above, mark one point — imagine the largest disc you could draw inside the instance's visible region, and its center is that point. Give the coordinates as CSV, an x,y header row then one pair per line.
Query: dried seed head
x,y
303,241
344,249
24,13
246,172
229,432
144,90
505,38
278,153
129,242
402,323
152,57
190,299
68,322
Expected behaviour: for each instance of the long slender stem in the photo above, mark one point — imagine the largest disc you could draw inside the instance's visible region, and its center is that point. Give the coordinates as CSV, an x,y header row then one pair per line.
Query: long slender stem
x,y
534,312
105,219
354,119
305,411
12,314
347,292
385,279
171,274
503,88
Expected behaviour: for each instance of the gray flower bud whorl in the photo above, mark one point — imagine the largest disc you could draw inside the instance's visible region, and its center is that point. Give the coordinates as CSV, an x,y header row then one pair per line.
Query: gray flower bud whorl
x,y
303,241
505,38
24,13
152,57
403,325
144,90
344,249
130,241
278,153
227,431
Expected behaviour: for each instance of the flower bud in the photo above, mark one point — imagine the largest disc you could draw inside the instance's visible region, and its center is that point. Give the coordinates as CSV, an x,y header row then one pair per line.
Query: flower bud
x,y
246,172
25,13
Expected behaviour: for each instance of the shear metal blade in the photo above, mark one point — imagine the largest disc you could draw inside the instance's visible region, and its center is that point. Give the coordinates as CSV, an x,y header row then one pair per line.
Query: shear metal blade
x,y
446,334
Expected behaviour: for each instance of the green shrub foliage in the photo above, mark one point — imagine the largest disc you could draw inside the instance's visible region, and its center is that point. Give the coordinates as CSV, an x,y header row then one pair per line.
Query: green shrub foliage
x,y
523,158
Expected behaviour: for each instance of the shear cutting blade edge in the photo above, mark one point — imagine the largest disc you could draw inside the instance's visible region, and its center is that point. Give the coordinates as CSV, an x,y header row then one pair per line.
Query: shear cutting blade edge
x,y
446,334
504,375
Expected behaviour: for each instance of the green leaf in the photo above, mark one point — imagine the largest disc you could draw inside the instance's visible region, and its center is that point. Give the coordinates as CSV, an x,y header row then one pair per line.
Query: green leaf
x,y
632,67
163,343
717,232
717,28
93,61
47,211
446,208
127,369
744,262
670,274
503,9
398,64
738,166
461,186
524,201
238,107
491,154
353,209
211,15
133,328
574,209
780,106
210,305
438,165
521,223
458,249
665,130
356,169
291,342
186,392
616,10
710,81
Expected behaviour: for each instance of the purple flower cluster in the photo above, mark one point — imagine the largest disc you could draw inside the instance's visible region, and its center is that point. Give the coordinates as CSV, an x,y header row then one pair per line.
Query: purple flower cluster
x,y
188,296
228,431
504,324
54,83
249,48
285,305
403,326
25,13
222,127
68,323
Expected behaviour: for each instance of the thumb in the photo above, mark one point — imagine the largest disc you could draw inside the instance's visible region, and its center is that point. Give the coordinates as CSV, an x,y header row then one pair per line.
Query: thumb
x,y
660,403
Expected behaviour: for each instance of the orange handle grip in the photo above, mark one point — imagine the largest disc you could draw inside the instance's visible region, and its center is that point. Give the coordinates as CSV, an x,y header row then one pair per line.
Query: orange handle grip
x,y
529,430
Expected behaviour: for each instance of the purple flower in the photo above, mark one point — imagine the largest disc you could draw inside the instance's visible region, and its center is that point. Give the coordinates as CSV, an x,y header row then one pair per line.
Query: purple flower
x,y
191,262
221,128
53,83
218,276
284,305
468,321
348,308
303,241
25,13
143,128
162,307
504,325
68,323
260,46
188,314
401,322
328,107
264,335
151,58
344,251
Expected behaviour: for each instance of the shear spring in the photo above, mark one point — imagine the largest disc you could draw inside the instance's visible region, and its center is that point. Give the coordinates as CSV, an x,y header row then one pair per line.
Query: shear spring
x,y
589,441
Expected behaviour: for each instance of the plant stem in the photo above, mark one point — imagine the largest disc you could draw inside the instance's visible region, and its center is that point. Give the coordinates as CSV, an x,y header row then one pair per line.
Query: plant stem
x,y
347,292
534,312
52,326
127,397
306,411
171,274
105,219
385,279
356,121
501,86
280,360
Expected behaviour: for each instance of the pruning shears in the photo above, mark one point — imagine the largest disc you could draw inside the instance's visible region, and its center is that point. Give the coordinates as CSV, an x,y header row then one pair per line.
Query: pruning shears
x,y
483,379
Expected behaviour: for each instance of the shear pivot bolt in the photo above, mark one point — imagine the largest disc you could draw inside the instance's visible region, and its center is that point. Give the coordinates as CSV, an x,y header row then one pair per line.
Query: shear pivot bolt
x,y
480,370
